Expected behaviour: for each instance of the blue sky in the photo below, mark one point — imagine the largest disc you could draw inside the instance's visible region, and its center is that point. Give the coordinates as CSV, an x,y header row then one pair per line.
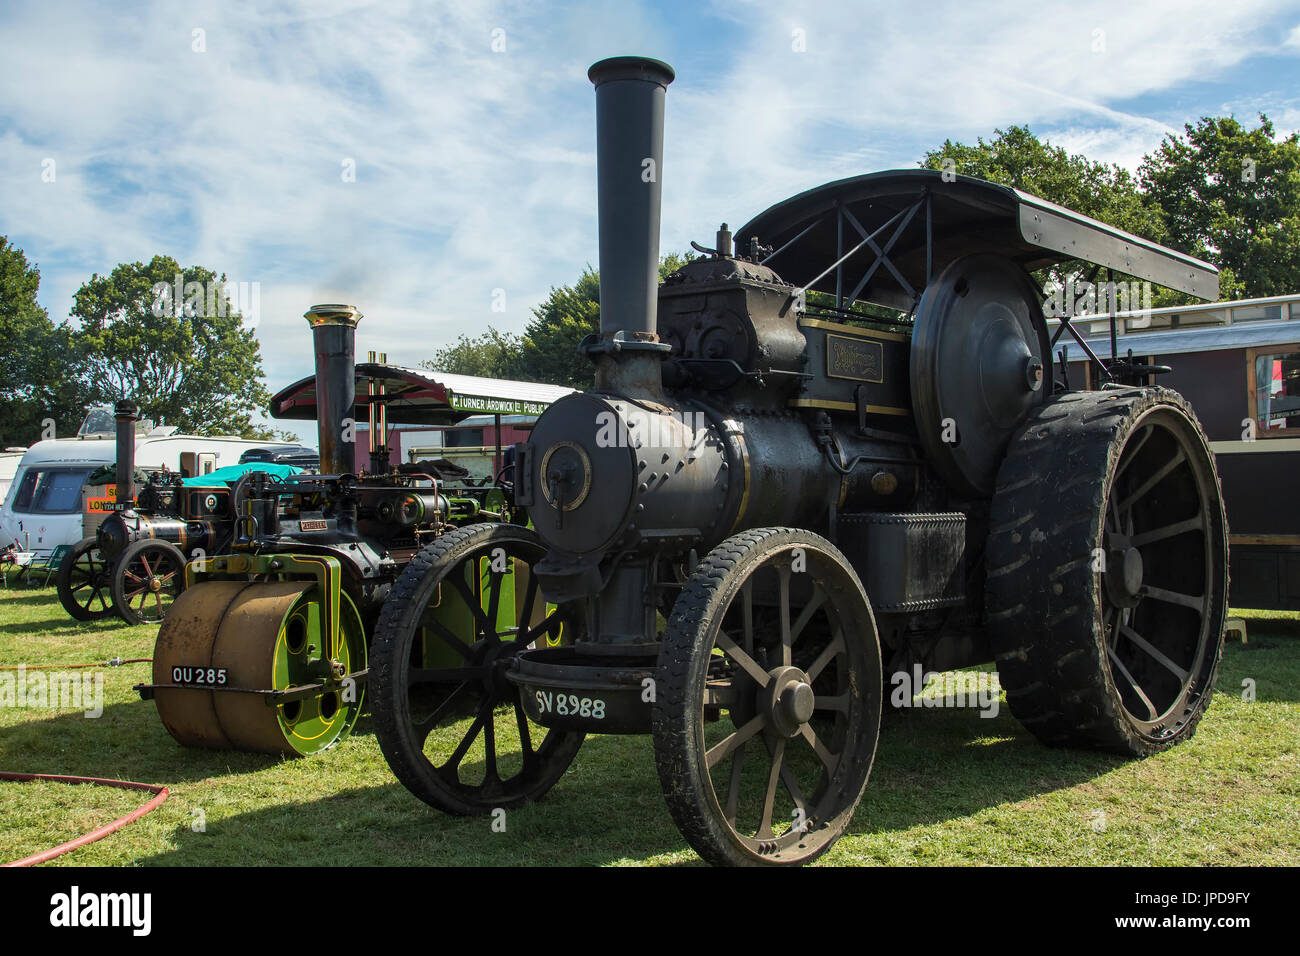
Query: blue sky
x,y
475,168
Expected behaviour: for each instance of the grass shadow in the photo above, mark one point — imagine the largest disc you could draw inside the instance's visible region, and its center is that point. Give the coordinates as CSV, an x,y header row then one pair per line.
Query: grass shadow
x,y
65,623
127,742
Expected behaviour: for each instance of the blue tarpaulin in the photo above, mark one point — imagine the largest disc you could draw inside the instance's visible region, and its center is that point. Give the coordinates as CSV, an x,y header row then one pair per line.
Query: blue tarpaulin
x,y
232,473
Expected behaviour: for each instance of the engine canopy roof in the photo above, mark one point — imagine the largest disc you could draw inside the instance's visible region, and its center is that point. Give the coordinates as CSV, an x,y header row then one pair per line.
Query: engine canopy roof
x,y
965,215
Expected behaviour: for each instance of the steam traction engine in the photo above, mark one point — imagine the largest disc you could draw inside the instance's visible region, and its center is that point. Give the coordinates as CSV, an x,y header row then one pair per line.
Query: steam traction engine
x,y
765,505
266,648
134,564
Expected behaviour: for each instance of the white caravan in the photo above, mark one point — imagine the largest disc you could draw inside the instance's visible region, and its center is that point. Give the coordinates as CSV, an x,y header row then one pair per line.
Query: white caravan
x,y
42,509
9,461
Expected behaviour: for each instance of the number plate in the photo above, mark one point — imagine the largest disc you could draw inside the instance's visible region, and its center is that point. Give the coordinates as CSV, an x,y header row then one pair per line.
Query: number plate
x,y
311,524
570,705
199,676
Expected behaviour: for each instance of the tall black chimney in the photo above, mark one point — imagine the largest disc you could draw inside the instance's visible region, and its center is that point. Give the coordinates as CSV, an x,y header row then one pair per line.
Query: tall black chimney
x,y
126,412
630,95
334,328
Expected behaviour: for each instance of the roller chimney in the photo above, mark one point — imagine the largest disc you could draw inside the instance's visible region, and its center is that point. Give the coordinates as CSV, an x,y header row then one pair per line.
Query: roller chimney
x,y
126,412
334,328
630,94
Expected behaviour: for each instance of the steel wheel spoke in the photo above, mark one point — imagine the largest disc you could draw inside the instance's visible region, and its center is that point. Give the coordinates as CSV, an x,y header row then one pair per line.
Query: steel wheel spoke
x,y
423,727
796,629
733,785
525,734
524,615
490,744
543,626
791,784
827,758
839,703
786,654
445,675
1164,472
453,762
1155,652
1114,658
769,795
747,663
456,644
729,743
475,607
832,650
1134,446
747,613
494,598
1197,604
1167,531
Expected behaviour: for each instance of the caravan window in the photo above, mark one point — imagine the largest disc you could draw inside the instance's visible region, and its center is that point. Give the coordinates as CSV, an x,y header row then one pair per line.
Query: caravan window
x,y
1275,390
50,490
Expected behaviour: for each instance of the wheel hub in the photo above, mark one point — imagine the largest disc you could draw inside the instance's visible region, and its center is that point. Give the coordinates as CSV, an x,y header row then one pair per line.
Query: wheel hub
x,y
1124,573
788,700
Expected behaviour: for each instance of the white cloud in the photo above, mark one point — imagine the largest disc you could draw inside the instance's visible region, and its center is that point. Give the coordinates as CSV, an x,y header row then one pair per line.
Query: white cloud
x,y
475,170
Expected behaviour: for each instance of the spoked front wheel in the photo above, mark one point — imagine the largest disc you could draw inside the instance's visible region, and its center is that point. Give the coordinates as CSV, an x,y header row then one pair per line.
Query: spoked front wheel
x,y
147,578
450,724
768,706
84,582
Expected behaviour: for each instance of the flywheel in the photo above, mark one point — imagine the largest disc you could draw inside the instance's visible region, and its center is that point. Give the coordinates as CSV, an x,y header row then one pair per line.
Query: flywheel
x,y
980,364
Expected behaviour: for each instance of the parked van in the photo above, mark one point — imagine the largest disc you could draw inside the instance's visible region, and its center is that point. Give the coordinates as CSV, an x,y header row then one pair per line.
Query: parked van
x,y
44,505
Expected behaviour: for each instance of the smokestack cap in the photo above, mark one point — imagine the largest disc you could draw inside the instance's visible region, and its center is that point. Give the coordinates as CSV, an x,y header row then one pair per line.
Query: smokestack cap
x,y
631,68
333,314
126,410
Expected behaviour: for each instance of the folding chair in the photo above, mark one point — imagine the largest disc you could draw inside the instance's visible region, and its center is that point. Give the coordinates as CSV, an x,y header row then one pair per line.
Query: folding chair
x,y
50,566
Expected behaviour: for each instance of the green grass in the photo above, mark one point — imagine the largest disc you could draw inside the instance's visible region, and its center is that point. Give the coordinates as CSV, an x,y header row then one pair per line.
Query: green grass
x,y
948,788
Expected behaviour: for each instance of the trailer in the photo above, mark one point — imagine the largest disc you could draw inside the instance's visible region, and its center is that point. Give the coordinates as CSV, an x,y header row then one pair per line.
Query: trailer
x,y
1238,363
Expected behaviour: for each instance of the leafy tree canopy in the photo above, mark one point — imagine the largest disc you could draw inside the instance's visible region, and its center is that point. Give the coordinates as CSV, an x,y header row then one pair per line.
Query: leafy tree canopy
x,y
567,316
1231,195
493,354
40,384
187,360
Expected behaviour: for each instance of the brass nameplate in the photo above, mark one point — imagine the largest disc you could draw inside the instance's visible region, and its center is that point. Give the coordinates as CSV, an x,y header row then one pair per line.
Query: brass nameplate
x,y
859,359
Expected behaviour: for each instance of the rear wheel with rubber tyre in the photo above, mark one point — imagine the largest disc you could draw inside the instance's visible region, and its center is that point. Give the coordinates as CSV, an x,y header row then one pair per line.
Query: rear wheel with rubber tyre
x,y
767,708
1108,571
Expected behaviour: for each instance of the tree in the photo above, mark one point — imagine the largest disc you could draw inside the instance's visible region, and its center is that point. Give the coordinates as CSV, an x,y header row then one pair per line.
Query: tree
x,y
1016,157
567,316
1232,195
187,359
491,355
41,384
550,343
1103,191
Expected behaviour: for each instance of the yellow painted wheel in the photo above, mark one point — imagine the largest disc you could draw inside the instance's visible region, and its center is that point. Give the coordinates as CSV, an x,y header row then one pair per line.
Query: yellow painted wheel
x,y
261,636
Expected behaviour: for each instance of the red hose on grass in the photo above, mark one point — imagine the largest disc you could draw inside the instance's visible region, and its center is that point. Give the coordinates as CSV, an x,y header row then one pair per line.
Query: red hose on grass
x,y
160,794
115,662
